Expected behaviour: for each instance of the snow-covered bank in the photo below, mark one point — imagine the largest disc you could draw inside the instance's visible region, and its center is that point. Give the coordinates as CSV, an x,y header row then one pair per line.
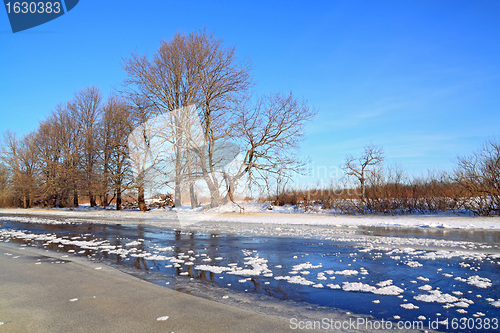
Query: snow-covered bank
x,y
259,214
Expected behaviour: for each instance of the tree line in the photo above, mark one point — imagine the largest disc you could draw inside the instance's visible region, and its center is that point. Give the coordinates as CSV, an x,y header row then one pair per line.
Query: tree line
x,y
193,97
78,152
370,187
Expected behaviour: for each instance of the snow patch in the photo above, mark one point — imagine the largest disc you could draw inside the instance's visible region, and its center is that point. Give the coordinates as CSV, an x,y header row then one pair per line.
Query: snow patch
x,y
409,306
436,296
479,282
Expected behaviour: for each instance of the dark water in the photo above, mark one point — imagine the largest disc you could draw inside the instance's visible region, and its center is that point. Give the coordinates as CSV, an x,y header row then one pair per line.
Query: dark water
x,y
278,255
461,235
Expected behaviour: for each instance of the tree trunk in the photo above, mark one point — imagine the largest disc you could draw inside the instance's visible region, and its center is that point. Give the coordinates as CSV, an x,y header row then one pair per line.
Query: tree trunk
x,y
119,198
92,200
177,194
75,198
140,200
215,199
363,199
192,195
105,200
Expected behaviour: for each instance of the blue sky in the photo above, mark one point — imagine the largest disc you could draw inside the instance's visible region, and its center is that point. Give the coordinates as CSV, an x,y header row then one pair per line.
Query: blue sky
x,y
419,78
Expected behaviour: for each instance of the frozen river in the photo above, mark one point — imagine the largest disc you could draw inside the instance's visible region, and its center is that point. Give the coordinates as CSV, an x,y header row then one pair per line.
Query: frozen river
x,y
424,274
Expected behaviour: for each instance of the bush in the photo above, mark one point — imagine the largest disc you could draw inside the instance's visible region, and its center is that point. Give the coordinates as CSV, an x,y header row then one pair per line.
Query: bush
x,y
479,177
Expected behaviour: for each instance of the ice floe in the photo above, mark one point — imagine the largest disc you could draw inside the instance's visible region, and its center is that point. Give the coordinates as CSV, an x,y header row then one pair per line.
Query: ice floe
x,y
436,296
479,282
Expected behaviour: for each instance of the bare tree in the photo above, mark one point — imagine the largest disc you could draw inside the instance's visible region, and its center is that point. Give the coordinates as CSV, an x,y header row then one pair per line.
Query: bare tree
x,y
139,144
364,167
53,191
199,70
479,176
167,83
191,70
70,149
223,86
21,158
5,188
116,125
87,110
270,133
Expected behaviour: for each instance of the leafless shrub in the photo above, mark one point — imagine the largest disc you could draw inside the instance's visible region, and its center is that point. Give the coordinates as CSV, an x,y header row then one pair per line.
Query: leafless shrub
x,y
479,177
366,170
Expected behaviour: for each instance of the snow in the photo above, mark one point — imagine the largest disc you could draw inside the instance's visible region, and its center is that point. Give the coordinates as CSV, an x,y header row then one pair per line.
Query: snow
x,y
333,286
305,266
389,290
295,279
133,243
258,267
213,269
346,272
461,304
259,213
358,286
363,287
409,306
479,282
384,283
413,264
436,296
425,287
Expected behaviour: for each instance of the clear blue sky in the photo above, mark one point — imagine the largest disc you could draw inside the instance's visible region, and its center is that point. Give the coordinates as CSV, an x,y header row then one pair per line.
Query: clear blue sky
x,y
419,78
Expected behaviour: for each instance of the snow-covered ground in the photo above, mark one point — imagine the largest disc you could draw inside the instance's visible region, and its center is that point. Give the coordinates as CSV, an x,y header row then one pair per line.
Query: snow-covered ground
x,y
259,213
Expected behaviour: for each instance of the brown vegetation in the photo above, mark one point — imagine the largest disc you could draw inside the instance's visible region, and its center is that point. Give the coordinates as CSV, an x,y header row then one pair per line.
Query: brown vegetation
x,y
474,187
78,152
